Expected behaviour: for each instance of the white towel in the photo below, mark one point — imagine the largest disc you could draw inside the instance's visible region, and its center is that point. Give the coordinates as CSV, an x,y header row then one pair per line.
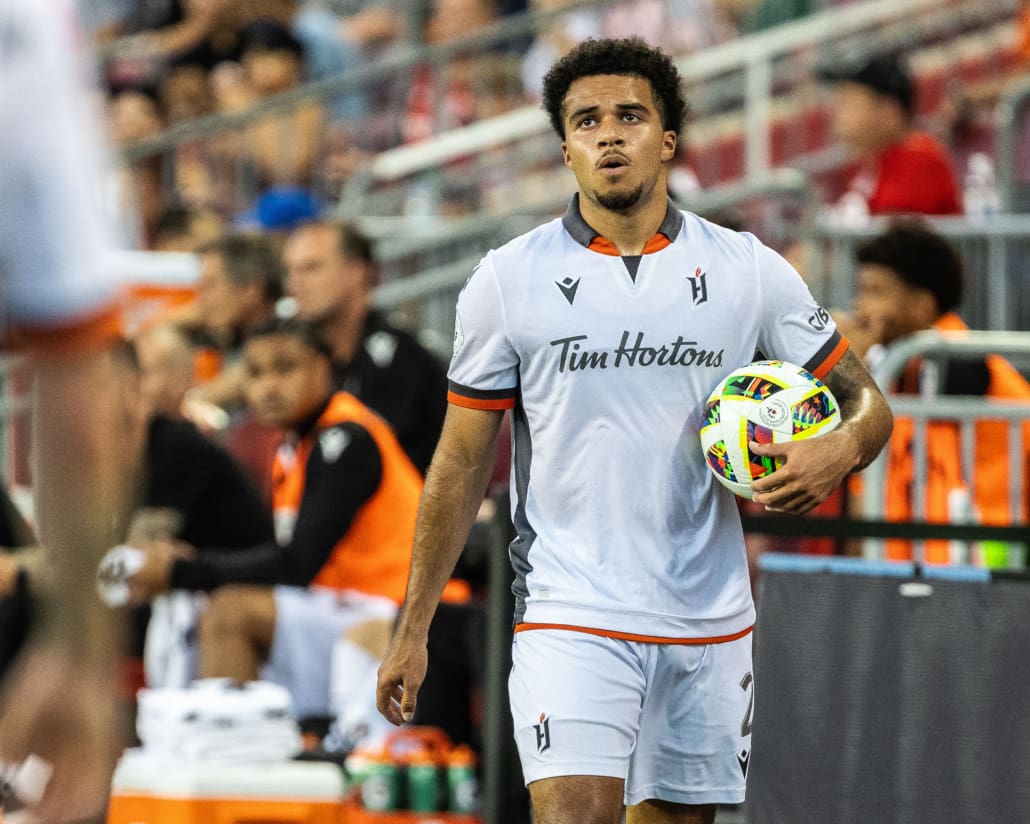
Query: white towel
x,y
170,648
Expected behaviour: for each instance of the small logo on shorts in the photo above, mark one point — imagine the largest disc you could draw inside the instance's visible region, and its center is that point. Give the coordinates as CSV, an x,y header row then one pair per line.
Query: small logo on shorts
x,y
543,733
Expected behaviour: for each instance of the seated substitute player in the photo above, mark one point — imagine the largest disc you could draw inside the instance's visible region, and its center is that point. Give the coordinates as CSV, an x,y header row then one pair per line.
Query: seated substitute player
x,y
604,331
910,279
345,496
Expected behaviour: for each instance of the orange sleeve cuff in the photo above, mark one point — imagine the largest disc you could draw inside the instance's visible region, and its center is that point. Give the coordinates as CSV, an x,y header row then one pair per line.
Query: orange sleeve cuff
x,y
93,332
479,403
830,361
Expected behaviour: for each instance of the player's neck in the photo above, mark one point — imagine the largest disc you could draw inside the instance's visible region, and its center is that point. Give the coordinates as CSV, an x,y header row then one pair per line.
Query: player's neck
x,y
628,230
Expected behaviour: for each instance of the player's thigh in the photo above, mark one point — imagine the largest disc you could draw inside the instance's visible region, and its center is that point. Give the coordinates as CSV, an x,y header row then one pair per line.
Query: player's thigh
x,y
577,799
695,727
575,702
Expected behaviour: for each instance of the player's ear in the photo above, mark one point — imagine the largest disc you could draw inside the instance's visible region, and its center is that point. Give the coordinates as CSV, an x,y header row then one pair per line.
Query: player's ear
x,y
565,154
669,140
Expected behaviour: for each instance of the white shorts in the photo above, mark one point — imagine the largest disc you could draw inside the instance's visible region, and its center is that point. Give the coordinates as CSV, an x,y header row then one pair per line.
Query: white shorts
x,y
308,623
674,721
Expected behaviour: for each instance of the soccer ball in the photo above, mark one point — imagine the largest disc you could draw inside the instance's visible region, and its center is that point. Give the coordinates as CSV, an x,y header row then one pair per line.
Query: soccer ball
x,y
766,402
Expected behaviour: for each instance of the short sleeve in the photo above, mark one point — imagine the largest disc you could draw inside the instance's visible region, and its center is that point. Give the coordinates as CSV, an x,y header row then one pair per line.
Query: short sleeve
x,y
484,367
57,234
792,326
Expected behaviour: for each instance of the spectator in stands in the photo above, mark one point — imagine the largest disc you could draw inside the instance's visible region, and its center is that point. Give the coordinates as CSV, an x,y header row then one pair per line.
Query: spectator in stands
x,y
678,26
281,147
910,279
554,39
900,170
134,113
330,273
280,210
186,229
345,502
437,104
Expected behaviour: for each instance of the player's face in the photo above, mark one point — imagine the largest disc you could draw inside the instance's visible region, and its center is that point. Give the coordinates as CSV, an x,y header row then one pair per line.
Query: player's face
x,y
286,380
614,140
887,303
319,278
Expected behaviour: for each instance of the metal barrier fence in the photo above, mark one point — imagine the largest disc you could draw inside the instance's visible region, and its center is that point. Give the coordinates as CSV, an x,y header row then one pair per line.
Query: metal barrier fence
x,y
964,412
1012,146
424,269
995,251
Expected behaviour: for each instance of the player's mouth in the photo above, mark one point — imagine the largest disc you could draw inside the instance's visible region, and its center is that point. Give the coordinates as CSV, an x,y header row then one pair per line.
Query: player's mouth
x,y
612,164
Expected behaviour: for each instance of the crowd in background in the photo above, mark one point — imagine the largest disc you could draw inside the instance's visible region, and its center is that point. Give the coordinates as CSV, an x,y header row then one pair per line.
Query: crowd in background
x,y
168,63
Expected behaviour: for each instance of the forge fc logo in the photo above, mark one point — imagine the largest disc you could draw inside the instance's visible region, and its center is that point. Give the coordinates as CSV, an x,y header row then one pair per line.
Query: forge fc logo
x,y
543,734
699,286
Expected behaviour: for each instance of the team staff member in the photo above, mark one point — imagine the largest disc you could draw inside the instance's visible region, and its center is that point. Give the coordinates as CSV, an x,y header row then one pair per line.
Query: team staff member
x,y
604,331
345,496
330,272
58,299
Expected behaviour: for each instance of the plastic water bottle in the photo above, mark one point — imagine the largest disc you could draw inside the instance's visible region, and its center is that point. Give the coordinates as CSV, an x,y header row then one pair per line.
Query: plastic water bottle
x,y
980,188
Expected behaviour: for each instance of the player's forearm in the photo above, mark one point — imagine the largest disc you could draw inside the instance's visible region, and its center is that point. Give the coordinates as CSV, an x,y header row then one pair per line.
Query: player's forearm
x,y
450,500
867,420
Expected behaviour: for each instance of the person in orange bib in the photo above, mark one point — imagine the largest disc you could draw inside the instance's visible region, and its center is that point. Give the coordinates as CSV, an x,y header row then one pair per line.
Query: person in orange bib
x,y
910,279
345,500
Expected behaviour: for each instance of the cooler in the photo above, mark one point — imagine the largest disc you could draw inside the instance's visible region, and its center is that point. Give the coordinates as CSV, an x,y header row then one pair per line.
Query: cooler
x,y
149,791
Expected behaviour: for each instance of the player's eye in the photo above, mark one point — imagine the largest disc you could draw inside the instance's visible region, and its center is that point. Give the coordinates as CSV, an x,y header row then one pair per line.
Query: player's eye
x,y
587,121
631,116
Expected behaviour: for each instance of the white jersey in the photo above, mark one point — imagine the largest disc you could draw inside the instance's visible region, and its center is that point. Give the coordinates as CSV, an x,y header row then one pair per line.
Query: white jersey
x,y
55,229
607,363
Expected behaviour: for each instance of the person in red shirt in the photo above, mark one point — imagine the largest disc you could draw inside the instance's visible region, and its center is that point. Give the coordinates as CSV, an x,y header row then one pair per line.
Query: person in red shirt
x,y
898,169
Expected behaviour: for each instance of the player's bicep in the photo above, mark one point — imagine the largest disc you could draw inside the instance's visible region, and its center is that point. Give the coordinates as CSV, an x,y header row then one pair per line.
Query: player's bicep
x,y
469,437
850,382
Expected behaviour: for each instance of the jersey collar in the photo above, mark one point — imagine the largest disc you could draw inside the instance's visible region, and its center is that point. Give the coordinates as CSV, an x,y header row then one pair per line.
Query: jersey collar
x,y
584,234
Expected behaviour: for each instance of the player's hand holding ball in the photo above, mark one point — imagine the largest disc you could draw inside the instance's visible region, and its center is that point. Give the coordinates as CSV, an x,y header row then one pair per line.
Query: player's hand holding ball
x,y
760,418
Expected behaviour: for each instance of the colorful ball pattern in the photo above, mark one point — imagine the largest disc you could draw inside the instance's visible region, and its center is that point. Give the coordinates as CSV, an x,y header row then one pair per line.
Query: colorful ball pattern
x,y
767,402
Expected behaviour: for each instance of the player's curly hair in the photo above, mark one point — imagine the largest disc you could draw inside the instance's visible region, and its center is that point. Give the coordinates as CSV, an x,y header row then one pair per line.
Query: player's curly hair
x,y
628,55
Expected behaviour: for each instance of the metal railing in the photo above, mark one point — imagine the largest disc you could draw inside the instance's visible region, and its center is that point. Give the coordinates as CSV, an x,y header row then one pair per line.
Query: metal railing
x,y
995,253
424,271
1012,140
964,412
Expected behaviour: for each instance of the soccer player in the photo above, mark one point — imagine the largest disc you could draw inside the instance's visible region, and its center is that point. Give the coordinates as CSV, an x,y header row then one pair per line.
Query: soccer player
x,y
604,331
57,296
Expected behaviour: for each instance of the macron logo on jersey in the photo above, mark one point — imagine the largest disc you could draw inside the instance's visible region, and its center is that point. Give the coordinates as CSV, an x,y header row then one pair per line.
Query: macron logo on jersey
x,y
568,288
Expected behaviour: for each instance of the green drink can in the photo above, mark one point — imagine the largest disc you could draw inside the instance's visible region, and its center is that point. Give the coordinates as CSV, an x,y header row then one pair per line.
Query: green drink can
x,y
462,782
381,788
424,786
